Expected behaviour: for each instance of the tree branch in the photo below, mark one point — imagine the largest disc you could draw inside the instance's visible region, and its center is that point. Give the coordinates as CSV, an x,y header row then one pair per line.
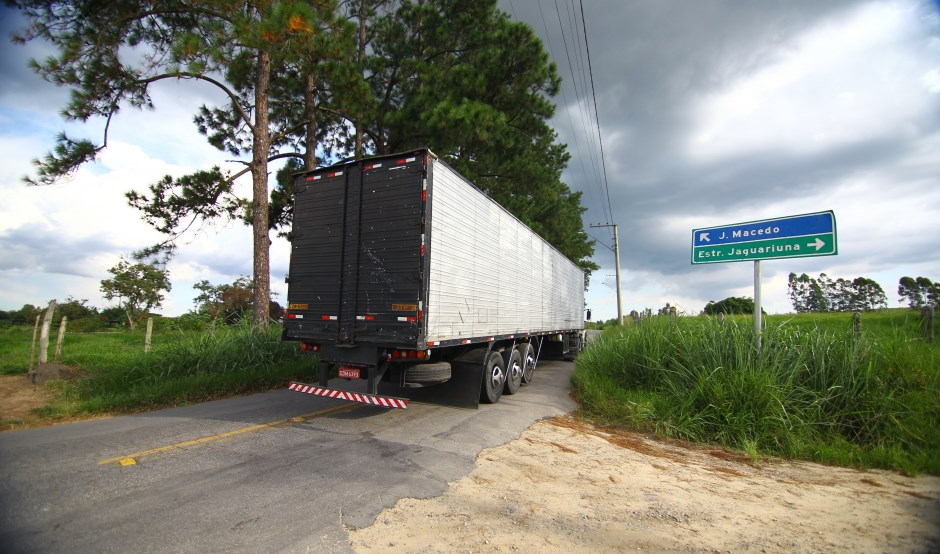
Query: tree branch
x,y
236,101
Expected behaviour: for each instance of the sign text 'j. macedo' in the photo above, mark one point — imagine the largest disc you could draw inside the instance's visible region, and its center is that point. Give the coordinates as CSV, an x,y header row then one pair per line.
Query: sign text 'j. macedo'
x,y
784,237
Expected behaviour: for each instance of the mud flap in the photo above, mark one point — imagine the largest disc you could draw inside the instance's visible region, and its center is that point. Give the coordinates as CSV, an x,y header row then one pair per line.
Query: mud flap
x,y
461,391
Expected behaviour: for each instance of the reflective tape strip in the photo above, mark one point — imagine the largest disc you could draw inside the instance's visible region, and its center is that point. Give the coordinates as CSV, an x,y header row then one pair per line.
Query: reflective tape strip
x,y
371,399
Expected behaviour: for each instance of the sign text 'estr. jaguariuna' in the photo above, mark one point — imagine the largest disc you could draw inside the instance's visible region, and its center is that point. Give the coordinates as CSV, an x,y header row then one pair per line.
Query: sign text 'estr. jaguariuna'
x,y
786,237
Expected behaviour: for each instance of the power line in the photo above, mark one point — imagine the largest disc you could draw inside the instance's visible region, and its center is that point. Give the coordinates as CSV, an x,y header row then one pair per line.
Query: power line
x,y
582,101
600,139
593,186
574,83
564,97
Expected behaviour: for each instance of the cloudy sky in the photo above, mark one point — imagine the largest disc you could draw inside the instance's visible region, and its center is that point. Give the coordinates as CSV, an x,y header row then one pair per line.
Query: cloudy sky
x,y
711,112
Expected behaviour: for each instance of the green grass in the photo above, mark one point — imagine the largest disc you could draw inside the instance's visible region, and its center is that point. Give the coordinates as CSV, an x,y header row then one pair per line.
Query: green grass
x,y
115,375
814,391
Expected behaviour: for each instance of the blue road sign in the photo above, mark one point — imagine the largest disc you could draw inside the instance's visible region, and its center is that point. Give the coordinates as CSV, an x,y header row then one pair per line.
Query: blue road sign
x,y
783,237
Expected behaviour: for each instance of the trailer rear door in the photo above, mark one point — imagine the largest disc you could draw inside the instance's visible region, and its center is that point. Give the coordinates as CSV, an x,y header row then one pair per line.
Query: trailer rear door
x,y
356,261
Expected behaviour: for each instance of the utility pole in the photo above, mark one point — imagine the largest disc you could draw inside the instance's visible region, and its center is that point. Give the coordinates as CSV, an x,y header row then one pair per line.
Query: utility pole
x,y
616,250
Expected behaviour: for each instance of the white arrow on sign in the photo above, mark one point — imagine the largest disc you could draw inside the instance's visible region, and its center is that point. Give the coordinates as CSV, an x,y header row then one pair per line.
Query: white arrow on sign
x,y
818,244
704,237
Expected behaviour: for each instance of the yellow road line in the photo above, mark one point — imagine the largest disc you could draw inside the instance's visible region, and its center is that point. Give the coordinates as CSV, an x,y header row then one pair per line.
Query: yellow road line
x,y
131,459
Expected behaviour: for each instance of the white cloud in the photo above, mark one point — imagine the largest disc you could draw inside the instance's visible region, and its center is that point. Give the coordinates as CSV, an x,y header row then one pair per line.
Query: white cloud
x,y
847,80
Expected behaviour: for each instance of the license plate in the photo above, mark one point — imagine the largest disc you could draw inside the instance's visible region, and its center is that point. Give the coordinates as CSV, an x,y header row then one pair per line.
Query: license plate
x,y
349,372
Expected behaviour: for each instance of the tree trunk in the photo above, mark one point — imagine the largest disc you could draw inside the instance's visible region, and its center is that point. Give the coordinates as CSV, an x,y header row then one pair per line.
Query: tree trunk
x,y
310,114
130,317
259,210
360,61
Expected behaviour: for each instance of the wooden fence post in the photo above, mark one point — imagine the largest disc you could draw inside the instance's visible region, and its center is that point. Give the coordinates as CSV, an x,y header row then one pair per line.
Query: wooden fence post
x,y
44,333
63,323
927,314
149,333
32,345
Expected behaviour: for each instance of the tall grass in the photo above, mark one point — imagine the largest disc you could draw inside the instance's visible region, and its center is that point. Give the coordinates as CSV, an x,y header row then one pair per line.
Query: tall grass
x,y
184,366
812,391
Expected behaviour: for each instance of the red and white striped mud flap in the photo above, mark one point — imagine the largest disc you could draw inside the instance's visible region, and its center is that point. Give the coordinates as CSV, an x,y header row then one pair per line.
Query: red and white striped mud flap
x,y
371,399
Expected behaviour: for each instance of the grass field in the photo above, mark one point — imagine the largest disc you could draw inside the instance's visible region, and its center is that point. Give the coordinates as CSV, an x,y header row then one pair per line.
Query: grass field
x,y
115,375
816,390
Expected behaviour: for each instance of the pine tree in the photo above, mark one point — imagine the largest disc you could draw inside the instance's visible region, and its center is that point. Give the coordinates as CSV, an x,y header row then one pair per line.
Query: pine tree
x,y
242,48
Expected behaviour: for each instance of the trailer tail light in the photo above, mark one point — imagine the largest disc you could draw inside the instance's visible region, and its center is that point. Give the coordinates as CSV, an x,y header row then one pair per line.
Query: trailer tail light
x,y
307,347
409,354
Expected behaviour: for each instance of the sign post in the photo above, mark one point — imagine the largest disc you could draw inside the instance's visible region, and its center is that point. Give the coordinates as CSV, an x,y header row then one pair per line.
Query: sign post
x,y
798,236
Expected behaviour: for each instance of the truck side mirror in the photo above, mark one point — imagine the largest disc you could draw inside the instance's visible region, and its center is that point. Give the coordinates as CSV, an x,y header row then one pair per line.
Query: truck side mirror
x,y
588,315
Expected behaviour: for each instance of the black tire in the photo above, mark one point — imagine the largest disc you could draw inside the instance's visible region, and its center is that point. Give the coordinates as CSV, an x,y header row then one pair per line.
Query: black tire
x,y
428,374
527,357
494,378
513,361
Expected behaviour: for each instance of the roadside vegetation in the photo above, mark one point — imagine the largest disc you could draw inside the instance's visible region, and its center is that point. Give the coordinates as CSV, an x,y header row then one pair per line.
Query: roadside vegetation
x,y
816,390
191,360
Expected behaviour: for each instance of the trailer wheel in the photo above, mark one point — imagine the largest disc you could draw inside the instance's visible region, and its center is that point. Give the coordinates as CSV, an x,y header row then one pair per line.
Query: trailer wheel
x,y
513,371
494,378
527,357
428,374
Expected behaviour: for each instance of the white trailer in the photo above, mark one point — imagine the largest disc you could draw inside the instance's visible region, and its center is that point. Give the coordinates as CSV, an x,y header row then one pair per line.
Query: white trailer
x,y
404,273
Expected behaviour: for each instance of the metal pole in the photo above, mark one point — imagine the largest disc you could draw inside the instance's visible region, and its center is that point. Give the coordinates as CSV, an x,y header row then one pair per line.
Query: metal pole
x,y
757,307
617,262
616,250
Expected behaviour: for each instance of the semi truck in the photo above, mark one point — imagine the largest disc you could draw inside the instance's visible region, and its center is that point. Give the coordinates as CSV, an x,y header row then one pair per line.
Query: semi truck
x,y
406,278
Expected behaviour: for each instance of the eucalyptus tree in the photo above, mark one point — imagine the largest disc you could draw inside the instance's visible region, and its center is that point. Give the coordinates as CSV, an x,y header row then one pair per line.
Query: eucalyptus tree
x,y
138,287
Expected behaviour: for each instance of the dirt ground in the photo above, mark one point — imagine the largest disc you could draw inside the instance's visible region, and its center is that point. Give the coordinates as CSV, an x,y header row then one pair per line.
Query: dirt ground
x,y
18,399
567,487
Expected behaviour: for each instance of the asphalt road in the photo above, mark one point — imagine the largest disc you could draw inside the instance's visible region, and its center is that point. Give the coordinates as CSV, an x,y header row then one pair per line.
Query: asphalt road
x,y
274,472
